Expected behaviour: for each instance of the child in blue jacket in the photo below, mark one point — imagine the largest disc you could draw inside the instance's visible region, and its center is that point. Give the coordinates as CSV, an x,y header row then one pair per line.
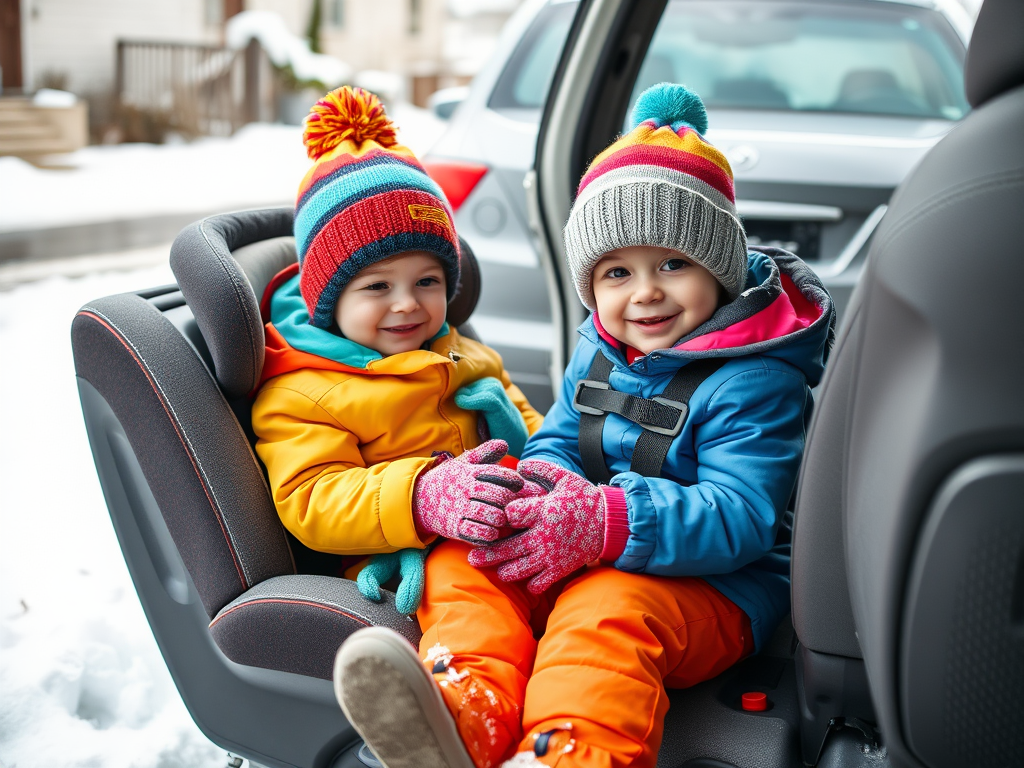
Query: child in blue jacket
x,y
661,474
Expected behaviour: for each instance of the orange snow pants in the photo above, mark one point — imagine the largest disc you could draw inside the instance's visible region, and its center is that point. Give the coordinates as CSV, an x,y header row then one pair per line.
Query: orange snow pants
x,y
610,643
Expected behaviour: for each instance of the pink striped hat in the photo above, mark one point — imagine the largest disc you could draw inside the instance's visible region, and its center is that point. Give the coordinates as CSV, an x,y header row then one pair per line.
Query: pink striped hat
x,y
663,185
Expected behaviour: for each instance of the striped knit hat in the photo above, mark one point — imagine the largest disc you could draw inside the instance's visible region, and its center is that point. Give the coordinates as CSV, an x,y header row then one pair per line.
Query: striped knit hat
x,y
365,198
662,184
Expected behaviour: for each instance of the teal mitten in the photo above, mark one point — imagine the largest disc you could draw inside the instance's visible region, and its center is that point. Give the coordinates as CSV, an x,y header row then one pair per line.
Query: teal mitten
x,y
504,421
409,564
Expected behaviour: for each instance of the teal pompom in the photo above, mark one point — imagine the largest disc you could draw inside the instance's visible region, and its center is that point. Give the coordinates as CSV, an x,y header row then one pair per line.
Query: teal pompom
x,y
670,104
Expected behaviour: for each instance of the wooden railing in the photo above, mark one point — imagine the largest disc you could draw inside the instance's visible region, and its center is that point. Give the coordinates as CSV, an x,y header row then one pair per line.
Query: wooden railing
x,y
190,89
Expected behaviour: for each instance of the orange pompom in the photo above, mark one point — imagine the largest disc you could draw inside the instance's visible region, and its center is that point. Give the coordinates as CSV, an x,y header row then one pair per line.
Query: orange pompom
x,y
347,113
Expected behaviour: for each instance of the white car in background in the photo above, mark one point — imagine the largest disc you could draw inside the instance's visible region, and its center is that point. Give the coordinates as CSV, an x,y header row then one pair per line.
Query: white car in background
x,y
821,106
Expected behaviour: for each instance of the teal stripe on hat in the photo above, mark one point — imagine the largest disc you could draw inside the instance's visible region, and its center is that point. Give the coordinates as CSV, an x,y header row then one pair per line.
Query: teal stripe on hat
x,y
349,188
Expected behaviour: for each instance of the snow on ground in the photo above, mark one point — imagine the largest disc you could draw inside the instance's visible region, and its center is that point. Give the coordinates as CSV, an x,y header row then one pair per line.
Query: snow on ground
x,y
81,680
261,164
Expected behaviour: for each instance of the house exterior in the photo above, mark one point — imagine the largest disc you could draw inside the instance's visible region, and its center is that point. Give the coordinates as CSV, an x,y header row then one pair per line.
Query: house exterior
x,y
70,44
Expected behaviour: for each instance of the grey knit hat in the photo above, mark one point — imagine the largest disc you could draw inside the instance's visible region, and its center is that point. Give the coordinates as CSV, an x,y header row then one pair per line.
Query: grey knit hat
x,y
662,185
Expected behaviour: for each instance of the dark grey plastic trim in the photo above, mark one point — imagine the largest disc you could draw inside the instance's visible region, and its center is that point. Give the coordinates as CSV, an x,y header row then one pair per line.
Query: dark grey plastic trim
x,y
831,689
159,546
962,651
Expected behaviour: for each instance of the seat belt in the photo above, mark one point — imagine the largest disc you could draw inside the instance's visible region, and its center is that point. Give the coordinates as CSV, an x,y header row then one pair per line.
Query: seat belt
x,y
661,417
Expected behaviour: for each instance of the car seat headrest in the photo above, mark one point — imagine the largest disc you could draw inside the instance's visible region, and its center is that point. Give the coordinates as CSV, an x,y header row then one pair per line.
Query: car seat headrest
x,y
219,293
467,293
224,264
995,57
261,261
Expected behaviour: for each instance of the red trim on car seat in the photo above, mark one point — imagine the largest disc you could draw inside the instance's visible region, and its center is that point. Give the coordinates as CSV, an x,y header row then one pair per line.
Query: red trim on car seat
x,y
286,601
170,417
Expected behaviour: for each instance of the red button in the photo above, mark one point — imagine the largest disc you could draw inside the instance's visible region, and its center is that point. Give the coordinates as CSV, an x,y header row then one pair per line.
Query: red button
x,y
754,702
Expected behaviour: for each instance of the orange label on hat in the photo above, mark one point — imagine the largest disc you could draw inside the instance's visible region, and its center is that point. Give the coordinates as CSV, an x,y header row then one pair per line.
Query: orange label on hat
x,y
429,213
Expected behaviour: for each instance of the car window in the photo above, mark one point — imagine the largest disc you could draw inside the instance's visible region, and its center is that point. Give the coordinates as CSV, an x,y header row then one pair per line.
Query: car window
x,y
525,81
871,58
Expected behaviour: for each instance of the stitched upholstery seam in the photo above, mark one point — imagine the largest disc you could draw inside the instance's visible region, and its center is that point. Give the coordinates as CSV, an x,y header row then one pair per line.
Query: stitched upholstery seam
x,y
285,601
253,376
186,444
937,203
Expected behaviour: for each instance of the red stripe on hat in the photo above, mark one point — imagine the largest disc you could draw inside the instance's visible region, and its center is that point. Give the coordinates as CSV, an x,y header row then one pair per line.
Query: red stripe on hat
x,y
666,157
371,219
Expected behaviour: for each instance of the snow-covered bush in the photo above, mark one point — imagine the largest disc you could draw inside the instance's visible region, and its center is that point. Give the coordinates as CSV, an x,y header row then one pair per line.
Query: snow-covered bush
x,y
300,67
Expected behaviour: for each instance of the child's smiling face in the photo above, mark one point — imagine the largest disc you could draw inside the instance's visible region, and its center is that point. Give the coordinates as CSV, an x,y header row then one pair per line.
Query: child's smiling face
x,y
650,297
394,305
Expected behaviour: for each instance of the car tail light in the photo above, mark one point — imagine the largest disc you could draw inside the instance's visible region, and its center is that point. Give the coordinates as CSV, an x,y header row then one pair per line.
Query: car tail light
x,y
456,179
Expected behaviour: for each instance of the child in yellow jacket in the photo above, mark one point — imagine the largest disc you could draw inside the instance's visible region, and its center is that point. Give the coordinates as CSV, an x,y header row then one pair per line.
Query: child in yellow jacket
x,y
367,392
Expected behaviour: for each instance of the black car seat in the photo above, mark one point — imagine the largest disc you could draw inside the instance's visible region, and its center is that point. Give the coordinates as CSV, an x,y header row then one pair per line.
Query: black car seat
x,y
908,555
165,388
934,518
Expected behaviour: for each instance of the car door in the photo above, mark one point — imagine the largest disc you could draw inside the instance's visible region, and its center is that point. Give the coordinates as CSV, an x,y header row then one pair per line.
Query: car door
x,y
815,159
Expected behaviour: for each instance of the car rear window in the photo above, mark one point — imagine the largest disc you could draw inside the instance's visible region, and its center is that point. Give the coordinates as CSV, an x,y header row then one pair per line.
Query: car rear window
x,y
526,79
870,57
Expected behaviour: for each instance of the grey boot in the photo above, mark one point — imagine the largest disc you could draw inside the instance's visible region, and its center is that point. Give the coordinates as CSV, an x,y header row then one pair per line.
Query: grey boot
x,y
389,697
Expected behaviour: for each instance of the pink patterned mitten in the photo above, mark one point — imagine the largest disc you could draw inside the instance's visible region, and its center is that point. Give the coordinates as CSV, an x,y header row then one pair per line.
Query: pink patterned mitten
x,y
564,528
464,498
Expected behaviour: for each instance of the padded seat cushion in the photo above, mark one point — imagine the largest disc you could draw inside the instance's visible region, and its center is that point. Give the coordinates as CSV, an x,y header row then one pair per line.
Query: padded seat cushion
x,y
296,623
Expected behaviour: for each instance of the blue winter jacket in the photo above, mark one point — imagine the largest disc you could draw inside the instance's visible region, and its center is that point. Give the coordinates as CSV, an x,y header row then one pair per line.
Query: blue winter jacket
x,y
717,509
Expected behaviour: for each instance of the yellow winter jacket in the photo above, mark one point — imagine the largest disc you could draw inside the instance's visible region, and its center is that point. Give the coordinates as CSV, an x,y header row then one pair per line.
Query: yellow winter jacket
x,y
344,444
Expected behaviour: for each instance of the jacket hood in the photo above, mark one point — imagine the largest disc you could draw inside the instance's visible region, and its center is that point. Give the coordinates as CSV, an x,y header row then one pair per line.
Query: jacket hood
x,y
293,343
783,312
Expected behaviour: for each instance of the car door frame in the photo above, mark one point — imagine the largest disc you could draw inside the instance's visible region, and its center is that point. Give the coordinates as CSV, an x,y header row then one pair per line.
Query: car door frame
x,y
590,91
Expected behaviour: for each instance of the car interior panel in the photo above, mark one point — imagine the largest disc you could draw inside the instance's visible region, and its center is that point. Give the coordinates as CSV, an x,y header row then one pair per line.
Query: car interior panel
x,y
905,646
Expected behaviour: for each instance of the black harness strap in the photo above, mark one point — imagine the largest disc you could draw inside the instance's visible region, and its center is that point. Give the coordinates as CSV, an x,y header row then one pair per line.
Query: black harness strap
x,y
652,447
661,417
592,423
651,414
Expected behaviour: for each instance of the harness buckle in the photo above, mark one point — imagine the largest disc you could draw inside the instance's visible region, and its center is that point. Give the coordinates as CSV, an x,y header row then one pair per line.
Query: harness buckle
x,y
588,384
675,429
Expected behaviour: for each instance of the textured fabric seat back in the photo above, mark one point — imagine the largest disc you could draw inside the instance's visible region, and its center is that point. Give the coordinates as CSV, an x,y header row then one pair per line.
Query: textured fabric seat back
x,y
168,447
933,493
